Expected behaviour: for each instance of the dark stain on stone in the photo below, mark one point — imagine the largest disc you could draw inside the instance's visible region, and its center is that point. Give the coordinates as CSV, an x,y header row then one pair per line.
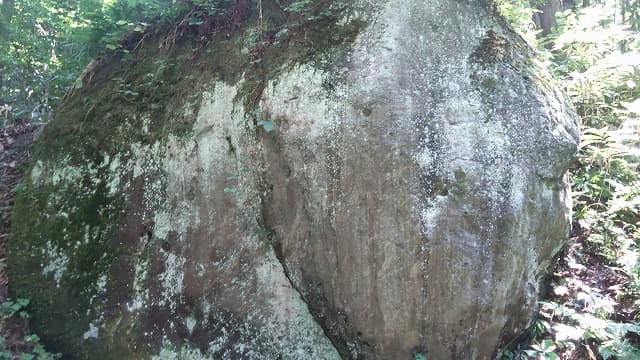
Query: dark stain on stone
x,y
231,149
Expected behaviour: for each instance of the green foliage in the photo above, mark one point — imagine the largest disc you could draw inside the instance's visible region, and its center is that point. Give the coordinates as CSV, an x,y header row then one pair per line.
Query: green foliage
x,y
544,350
47,43
572,325
600,64
630,11
519,13
598,60
267,125
419,356
31,347
595,52
10,308
299,6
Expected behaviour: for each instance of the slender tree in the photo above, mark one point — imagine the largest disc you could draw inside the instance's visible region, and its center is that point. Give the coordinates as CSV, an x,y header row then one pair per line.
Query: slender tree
x,y
6,10
545,19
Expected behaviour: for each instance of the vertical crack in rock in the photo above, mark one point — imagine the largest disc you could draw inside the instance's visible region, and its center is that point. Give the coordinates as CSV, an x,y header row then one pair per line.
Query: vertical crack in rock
x,y
335,342
265,189
277,250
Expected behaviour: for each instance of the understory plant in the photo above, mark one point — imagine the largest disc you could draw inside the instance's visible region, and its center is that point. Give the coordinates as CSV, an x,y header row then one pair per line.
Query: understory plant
x,y
591,311
13,321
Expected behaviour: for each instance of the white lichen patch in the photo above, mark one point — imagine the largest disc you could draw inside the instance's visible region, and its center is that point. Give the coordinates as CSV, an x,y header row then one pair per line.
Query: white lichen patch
x,y
197,167
36,171
67,174
145,124
58,260
190,323
220,341
519,190
169,352
100,288
171,280
289,316
92,333
144,158
177,212
114,182
307,110
140,293
62,172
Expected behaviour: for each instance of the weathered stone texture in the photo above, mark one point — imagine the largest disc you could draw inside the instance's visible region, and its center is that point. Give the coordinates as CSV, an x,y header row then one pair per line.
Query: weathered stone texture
x,y
409,201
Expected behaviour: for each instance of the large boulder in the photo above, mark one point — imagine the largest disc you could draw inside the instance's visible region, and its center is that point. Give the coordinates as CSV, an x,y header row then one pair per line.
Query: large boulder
x,y
377,179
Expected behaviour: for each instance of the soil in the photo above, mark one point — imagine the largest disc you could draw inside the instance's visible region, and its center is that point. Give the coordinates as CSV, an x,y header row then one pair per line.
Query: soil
x,y
15,151
581,269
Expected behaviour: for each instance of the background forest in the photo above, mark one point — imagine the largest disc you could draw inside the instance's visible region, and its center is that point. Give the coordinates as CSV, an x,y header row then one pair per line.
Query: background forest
x,y
592,309
593,49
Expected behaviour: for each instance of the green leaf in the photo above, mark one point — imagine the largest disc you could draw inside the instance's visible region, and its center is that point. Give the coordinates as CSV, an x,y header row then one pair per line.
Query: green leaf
x,y
32,338
282,32
78,84
121,22
111,46
267,125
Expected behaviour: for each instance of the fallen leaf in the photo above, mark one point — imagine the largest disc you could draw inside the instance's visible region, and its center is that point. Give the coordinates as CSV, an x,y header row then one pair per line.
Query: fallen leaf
x,y
615,288
633,107
573,264
561,290
565,332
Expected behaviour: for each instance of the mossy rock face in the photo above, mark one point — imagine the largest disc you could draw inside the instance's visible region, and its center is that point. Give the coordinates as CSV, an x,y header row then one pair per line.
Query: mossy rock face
x,y
361,180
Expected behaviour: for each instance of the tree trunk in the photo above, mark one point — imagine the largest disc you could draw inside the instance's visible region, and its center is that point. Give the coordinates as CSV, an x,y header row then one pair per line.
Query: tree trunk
x,y
6,12
546,18
630,12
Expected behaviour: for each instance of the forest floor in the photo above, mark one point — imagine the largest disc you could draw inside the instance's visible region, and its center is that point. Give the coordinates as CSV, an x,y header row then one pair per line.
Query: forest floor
x,y
582,271
16,142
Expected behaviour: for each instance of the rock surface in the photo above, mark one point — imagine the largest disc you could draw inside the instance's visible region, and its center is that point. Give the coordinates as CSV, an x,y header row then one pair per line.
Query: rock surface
x,y
408,201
